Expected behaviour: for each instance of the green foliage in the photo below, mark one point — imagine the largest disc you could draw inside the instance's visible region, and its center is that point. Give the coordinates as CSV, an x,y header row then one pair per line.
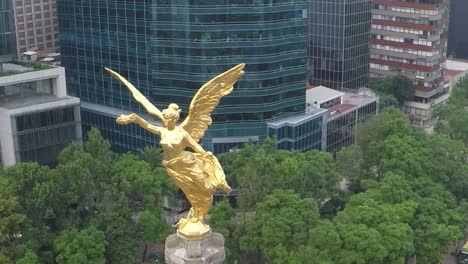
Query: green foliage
x,y
220,216
92,190
151,227
387,101
36,66
399,87
97,146
12,221
388,122
447,160
397,153
408,197
438,223
251,170
403,206
138,180
453,117
120,230
29,258
310,174
349,164
380,217
80,247
153,156
322,246
280,225
260,169
422,162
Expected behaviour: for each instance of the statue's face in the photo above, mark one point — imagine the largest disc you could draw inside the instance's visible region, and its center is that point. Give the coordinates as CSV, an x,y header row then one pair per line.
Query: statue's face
x,y
170,118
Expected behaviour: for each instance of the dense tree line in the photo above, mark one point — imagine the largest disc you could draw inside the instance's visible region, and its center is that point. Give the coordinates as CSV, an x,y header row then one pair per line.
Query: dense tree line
x,y
83,210
406,196
453,117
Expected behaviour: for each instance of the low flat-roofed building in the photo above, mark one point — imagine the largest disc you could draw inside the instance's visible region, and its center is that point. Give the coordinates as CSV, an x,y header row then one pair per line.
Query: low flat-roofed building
x,y
323,97
455,70
357,106
344,110
38,117
300,132
328,121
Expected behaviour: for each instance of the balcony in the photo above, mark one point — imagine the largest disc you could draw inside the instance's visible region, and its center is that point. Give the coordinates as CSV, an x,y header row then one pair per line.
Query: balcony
x,y
384,22
403,45
402,65
426,92
407,4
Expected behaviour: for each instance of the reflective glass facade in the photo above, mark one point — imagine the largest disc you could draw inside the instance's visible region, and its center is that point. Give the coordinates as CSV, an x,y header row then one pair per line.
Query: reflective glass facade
x,y
168,49
7,31
127,138
340,127
40,136
301,132
458,30
339,35
302,136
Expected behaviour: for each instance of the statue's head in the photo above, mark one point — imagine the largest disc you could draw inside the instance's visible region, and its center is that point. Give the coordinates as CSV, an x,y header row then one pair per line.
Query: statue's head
x,y
171,114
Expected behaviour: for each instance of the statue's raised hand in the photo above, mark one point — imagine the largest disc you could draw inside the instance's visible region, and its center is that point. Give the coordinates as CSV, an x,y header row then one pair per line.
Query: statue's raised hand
x,y
126,119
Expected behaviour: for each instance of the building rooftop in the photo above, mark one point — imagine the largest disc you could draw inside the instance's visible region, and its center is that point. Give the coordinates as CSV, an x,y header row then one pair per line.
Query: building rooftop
x,y
456,65
322,94
47,59
451,73
310,112
454,70
14,102
338,109
349,98
358,98
29,53
17,67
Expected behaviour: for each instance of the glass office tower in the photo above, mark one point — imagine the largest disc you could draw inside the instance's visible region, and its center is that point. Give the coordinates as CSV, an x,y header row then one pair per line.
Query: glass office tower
x,y
458,30
7,31
168,49
339,35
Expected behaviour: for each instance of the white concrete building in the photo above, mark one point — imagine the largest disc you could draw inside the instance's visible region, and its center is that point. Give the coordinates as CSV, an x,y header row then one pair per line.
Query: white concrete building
x,y
38,119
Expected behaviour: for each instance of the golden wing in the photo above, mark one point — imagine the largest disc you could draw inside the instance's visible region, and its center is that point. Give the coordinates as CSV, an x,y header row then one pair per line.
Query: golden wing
x,y
153,110
207,98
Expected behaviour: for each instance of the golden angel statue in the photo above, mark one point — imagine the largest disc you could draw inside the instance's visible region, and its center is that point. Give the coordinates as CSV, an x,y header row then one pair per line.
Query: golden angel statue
x,y
198,174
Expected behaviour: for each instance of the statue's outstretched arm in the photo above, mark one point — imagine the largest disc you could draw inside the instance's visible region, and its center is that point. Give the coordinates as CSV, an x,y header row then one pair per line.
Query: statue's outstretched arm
x,y
126,119
195,146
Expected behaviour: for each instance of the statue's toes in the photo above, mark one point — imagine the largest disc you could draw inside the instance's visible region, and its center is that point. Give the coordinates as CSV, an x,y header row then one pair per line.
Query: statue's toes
x,y
181,222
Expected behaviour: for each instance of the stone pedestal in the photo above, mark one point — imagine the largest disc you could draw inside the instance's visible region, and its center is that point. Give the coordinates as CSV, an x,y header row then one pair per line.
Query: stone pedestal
x,y
207,250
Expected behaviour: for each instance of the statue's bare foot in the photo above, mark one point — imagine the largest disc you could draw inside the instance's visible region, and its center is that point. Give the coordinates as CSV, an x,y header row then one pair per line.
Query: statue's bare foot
x,y
182,222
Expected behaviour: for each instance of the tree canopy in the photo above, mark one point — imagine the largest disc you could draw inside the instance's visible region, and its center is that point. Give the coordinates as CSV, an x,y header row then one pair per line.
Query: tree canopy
x,y
398,87
83,210
406,198
453,116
